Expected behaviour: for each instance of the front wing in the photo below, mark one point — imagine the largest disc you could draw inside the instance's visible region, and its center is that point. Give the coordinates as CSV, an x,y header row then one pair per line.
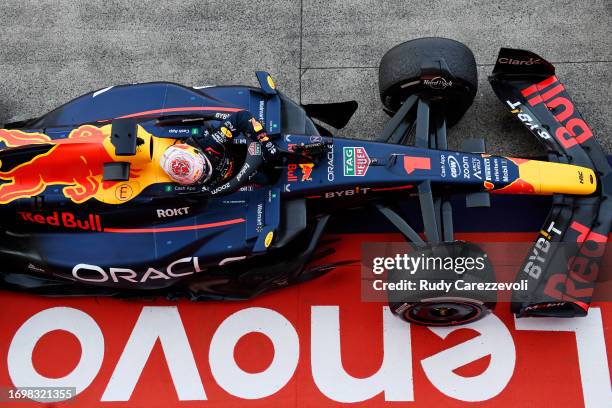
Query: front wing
x,y
564,264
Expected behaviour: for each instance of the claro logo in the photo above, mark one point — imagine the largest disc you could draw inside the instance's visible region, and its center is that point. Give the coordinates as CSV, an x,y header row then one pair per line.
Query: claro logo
x,y
511,61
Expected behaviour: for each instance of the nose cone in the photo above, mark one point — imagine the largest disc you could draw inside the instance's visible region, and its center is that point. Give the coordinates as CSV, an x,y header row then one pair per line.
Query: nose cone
x,y
551,178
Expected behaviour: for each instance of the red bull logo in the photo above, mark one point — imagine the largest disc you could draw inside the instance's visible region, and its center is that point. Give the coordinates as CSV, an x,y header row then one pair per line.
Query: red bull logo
x,y
77,163
306,171
74,162
64,219
550,92
304,168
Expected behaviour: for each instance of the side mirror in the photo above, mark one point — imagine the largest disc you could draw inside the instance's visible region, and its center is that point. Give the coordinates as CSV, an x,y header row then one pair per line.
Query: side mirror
x,y
266,82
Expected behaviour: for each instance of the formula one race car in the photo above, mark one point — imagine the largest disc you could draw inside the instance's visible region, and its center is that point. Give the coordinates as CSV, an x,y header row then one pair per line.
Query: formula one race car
x,y
87,210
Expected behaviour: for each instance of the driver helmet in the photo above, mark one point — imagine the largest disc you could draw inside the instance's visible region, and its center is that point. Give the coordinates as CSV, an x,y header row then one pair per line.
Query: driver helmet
x,y
185,164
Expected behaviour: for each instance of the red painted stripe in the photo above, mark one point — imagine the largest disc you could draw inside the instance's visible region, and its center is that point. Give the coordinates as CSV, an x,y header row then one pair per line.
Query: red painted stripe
x,y
548,81
539,86
529,90
181,109
516,160
392,188
582,305
554,91
412,163
173,229
535,100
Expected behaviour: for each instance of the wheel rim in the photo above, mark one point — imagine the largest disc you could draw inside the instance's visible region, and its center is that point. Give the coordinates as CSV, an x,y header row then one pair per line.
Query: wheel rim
x,y
444,313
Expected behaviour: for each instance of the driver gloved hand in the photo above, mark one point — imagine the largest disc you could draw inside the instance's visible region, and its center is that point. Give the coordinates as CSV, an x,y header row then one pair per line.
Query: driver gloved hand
x,y
270,152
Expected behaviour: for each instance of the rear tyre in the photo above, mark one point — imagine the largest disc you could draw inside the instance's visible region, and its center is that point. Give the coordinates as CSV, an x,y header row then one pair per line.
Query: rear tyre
x,y
439,69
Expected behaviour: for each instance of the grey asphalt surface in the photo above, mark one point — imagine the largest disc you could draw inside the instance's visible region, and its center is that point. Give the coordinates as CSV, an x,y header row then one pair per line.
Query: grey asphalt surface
x,y
318,51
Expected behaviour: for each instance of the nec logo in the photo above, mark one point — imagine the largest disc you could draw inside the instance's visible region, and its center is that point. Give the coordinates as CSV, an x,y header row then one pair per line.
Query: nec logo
x,y
172,212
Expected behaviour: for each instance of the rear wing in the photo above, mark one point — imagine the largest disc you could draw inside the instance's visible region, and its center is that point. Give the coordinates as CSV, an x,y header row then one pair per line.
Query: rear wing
x,y
564,264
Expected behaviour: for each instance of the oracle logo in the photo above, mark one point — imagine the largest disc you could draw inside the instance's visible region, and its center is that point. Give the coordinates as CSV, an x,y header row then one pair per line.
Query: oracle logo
x,y
393,378
94,273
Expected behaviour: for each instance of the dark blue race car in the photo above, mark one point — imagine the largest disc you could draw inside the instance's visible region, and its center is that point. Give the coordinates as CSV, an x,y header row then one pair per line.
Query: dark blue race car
x,y
87,210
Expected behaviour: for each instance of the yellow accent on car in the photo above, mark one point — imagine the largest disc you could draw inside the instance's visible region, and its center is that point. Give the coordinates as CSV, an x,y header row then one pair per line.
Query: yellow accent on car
x,y
550,178
268,239
227,132
256,125
271,82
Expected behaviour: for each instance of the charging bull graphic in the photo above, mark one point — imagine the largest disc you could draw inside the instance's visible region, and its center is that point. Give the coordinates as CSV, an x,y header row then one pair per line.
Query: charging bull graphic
x,y
77,162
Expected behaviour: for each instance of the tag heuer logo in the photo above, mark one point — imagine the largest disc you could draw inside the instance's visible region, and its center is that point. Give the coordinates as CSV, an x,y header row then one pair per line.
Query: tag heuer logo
x,y
255,149
356,161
